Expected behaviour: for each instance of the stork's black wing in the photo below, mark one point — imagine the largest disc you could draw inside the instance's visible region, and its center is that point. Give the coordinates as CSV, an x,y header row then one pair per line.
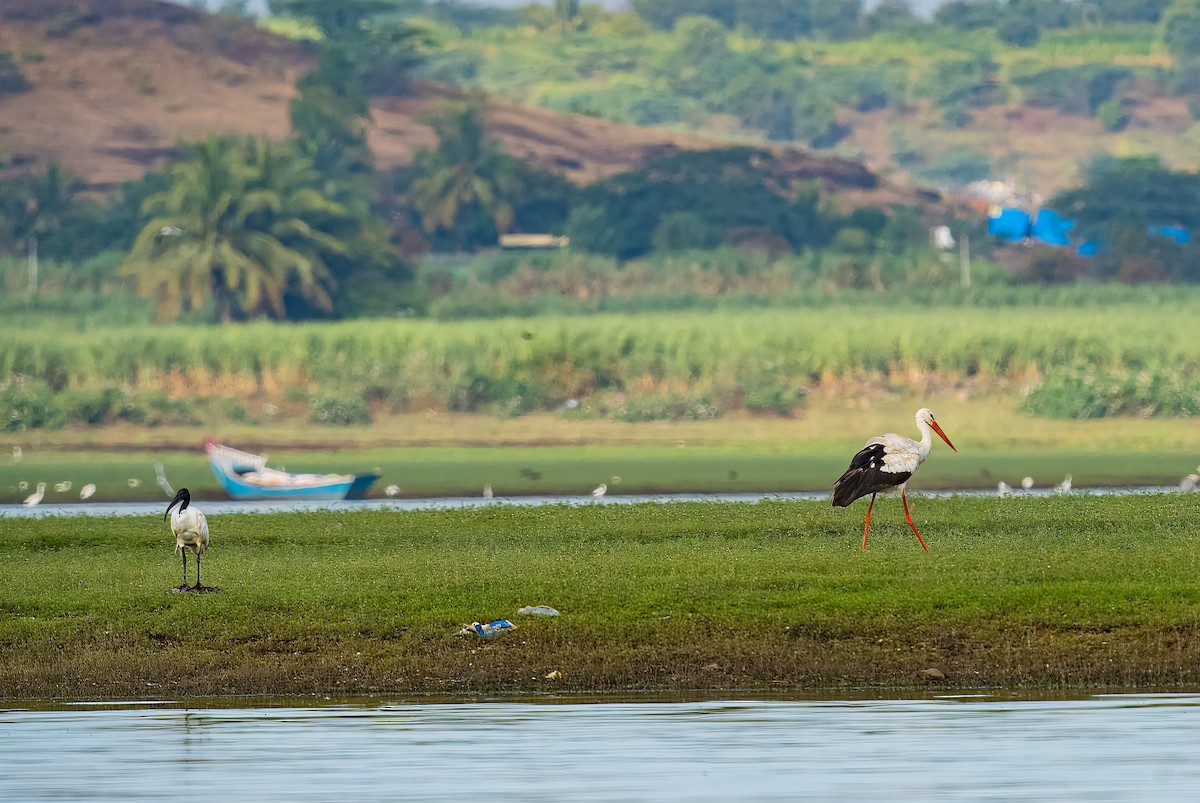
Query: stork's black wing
x,y
866,476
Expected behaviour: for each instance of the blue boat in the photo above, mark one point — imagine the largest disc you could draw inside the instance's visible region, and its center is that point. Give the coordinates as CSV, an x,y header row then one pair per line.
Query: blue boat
x,y
244,475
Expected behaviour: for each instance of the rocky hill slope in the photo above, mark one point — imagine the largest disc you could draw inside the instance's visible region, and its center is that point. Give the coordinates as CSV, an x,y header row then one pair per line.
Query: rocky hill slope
x,y
115,85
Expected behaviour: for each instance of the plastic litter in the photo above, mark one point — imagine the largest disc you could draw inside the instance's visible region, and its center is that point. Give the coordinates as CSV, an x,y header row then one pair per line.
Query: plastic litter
x,y
490,630
537,610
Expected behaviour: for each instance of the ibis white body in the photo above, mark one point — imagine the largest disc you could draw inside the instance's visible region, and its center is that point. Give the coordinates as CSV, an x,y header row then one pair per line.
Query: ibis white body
x,y
190,529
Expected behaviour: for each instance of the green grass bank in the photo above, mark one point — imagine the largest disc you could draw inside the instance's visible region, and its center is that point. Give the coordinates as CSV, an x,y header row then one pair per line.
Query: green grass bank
x,y
1079,591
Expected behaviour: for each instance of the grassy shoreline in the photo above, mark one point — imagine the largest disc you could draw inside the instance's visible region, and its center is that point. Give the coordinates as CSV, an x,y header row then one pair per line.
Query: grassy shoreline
x,y
1065,592
439,454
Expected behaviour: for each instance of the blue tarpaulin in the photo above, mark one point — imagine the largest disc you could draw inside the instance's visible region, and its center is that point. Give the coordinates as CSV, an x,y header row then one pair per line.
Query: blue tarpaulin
x,y
1051,228
1010,223
1180,234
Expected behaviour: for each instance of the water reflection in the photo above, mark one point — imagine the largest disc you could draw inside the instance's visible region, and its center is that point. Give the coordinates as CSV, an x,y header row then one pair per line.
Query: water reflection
x,y
997,747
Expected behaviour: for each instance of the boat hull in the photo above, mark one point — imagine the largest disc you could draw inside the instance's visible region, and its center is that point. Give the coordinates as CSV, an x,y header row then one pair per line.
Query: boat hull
x,y
258,482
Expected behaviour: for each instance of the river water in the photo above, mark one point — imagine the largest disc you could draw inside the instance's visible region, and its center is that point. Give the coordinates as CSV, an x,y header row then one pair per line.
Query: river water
x,y
993,746
212,507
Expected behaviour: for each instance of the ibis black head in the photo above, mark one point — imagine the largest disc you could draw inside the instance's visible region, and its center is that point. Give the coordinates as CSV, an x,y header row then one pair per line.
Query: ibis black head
x,y
182,496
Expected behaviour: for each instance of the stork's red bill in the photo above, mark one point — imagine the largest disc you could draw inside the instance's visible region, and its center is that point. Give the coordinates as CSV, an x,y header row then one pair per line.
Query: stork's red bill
x,y
885,464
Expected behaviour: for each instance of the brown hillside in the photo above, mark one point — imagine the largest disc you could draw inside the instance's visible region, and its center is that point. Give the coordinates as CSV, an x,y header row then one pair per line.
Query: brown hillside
x,y
117,84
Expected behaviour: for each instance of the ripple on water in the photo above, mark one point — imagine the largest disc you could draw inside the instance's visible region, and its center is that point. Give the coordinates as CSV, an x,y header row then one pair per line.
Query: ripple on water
x,y
949,747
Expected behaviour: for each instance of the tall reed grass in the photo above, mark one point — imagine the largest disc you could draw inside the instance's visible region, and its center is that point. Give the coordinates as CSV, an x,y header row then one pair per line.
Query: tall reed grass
x,y
709,362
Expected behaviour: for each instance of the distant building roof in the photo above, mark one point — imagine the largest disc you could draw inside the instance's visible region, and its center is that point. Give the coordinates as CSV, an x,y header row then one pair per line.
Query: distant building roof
x,y
533,241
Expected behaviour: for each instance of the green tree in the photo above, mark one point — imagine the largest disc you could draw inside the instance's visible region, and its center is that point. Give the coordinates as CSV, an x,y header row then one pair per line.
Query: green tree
x,y
1122,203
463,189
235,226
44,213
364,52
1137,190
721,192
1181,30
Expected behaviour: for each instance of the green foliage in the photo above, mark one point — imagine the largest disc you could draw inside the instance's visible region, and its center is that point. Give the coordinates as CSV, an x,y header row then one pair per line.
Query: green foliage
x,y
464,190
724,190
955,166
646,365
1181,31
343,410
1082,391
1112,115
32,404
243,224
864,87
965,80
26,404
1018,32
11,77
1135,11
1119,200
1075,90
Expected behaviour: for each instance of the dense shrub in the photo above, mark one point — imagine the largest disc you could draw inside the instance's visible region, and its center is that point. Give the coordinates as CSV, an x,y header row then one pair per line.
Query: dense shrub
x,y
1083,392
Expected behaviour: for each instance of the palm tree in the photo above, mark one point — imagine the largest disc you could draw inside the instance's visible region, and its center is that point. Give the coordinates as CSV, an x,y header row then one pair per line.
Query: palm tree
x,y
466,173
244,221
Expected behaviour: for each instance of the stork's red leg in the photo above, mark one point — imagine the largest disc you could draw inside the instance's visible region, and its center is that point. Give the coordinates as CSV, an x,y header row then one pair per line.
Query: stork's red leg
x,y
867,526
908,517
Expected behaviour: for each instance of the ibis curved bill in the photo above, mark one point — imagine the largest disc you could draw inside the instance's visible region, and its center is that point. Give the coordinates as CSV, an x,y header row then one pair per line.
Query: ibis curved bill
x,y
885,464
190,529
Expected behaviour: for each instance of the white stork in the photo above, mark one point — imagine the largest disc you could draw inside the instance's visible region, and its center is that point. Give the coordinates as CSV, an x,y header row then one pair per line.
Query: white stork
x,y
885,464
191,532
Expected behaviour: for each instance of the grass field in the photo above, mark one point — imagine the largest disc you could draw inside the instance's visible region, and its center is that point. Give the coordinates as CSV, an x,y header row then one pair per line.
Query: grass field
x,y
1079,591
452,455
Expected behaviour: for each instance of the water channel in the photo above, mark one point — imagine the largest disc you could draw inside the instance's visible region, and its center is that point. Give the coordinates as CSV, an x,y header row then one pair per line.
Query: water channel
x,y
988,746
218,507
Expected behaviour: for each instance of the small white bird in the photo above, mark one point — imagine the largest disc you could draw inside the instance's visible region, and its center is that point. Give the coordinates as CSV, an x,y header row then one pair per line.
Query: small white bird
x,y
35,498
22,486
86,491
1064,486
191,532
167,231
160,476
600,490
1188,483
63,487
392,490
1004,490
18,455
1027,483
487,492
134,482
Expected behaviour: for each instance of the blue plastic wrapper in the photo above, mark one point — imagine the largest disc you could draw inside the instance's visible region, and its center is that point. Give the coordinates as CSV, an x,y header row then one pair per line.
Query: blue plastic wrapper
x,y
490,630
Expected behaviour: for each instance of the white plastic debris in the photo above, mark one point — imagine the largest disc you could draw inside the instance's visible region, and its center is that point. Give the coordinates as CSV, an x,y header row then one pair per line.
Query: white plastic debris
x,y
490,630
537,610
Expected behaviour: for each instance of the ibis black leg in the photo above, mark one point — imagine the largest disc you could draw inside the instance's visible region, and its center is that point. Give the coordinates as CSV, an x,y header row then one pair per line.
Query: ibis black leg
x,y
183,587
198,586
